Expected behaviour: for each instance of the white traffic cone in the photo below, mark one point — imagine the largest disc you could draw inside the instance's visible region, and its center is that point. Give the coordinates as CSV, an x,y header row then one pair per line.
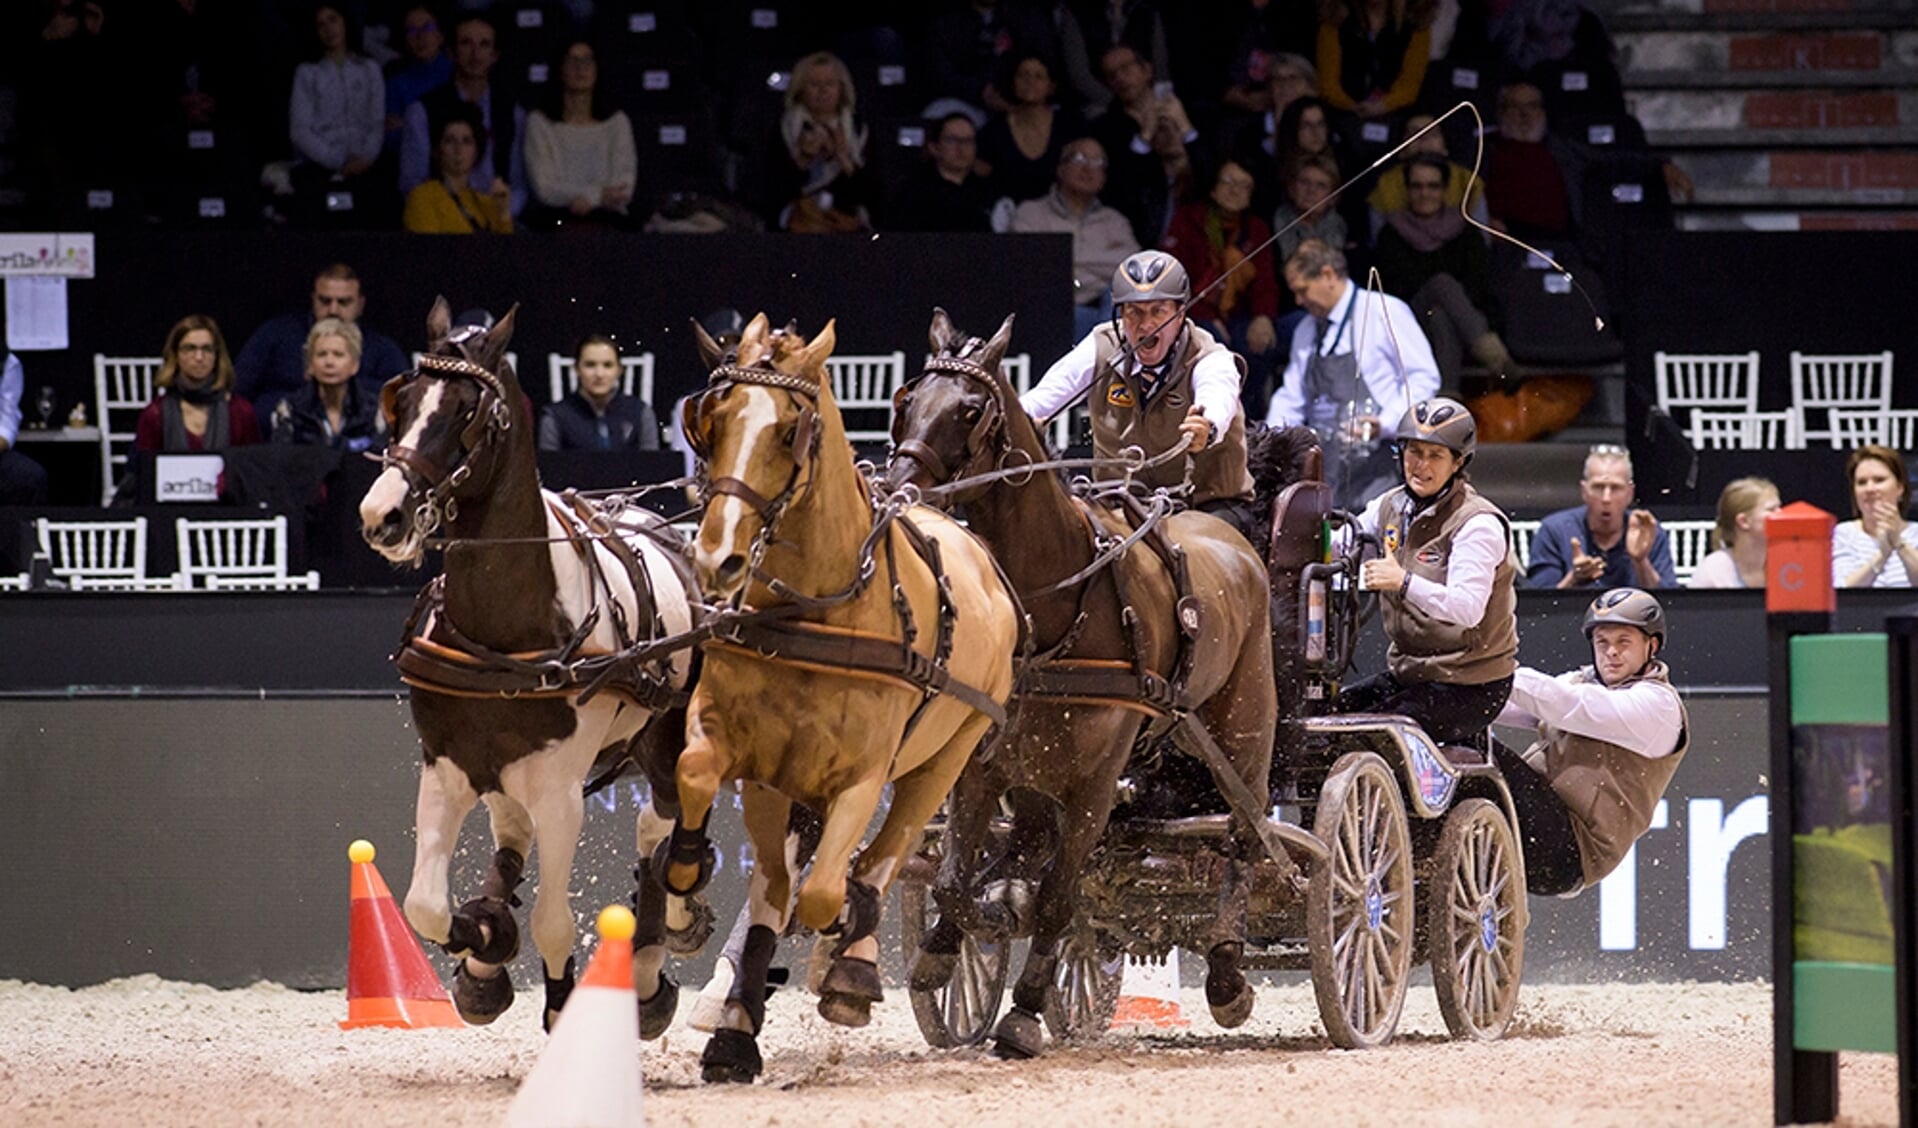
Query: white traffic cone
x,y
1149,995
588,1075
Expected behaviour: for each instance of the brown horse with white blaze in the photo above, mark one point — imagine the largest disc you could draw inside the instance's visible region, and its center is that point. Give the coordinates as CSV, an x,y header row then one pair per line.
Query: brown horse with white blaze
x,y
885,655
1110,665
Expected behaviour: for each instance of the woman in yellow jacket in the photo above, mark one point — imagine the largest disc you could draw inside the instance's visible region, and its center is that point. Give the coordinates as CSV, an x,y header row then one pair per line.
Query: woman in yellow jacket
x,y
447,203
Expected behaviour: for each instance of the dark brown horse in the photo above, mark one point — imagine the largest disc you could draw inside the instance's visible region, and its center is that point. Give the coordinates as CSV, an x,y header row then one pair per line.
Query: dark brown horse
x,y
499,650
1103,643
893,664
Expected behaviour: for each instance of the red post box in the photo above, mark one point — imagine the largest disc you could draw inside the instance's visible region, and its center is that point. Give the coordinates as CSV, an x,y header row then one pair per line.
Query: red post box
x,y
1798,559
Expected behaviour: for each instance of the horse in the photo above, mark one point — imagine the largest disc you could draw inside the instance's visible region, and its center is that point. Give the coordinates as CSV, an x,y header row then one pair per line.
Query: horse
x,y
875,645
521,657
1110,672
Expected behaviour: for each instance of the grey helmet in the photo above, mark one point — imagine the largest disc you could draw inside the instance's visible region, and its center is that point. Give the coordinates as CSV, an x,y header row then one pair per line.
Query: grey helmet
x,y
1150,276
1628,607
1444,421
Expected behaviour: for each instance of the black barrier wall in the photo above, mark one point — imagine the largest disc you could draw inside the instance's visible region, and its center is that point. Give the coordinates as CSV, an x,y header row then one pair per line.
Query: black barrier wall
x,y
201,834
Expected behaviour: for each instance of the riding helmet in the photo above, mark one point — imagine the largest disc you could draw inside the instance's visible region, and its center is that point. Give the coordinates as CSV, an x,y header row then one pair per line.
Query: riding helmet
x,y
1629,607
1443,421
1150,276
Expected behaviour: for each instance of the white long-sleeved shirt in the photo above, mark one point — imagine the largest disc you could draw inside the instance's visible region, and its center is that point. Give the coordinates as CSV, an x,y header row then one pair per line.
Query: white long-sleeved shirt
x,y
1642,717
1215,382
1394,357
1478,547
566,162
338,111
13,385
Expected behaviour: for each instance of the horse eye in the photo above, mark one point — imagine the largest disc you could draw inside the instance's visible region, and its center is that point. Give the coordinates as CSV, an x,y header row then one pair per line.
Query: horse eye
x,y
791,434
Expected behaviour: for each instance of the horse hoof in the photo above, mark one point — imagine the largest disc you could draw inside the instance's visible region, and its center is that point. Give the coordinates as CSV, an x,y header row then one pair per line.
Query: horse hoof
x,y
932,970
691,940
731,1057
656,1013
489,932
1233,1014
1019,1036
849,991
480,1001
1226,991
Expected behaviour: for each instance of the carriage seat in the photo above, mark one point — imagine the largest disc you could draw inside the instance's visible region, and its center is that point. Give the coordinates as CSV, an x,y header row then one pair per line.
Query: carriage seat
x,y
1298,514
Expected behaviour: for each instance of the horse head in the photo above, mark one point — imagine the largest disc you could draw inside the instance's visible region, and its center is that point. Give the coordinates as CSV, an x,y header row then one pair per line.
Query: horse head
x,y
758,430
446,418
953,421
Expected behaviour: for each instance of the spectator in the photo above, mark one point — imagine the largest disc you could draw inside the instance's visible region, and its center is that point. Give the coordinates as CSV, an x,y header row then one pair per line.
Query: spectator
x,y
1101,237
1020,147
1431,258
1267,68
1147,138
22,480
816,179
1389,194
330,409
272,363
1609,737
423,67
597,415
1561,47
966,46
1877,547
1372,55
1260,143
1627,547
1308,212
943,193
1088,29
1532,176
1223,247
448,204
335,116
1357,365
580,160
500,167
72,127
195,408
1737,559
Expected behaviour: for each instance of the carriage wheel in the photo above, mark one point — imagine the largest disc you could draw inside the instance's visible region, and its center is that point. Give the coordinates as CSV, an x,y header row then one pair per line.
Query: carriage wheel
x,y
1085,988
1359,907
1475,921
962,1012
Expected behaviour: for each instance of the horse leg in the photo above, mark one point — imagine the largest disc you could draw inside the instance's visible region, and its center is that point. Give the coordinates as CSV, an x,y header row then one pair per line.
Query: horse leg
x,y
558,811
732,1054
686,859
1085,810
1243,716
843,912
484,930
802,838
968,814
656,748
446,797
657,993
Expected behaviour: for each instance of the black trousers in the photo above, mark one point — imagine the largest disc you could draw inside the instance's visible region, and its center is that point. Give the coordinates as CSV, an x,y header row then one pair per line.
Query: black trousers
x,y
22,480
1552,864
1450,714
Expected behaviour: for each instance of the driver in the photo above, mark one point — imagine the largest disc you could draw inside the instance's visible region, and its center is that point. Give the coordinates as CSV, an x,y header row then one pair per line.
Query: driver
x,y
1446,585
1157,380
1610,736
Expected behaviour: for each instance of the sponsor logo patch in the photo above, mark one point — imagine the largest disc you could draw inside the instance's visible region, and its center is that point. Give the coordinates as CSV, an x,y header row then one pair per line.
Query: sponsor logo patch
x,y
1118,395
1430,556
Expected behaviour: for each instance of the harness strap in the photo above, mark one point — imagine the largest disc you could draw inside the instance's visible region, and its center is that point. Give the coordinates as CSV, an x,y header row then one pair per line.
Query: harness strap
x,y
837,650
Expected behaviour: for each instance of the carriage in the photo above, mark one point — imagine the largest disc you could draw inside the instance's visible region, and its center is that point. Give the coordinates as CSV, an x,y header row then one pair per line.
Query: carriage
x,y
1412,853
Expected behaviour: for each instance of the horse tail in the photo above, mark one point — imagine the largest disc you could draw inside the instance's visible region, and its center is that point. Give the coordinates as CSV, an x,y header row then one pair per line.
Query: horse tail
x,y
1276,457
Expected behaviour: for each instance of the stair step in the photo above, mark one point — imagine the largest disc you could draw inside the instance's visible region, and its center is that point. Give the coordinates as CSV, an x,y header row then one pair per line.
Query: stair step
x,y
1766,52
1873,173
1665,112
1753,197
1695,220
1718,78
1812,138
1755,20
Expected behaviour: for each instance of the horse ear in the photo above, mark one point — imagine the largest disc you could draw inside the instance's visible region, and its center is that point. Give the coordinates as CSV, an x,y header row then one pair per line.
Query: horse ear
x,y
498,337
820,347
439,323
710,354
942,333
995,350
752,340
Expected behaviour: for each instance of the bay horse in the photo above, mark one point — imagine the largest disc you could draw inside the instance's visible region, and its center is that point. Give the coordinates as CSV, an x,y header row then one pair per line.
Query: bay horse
x,y
882,653
1110,669
538,601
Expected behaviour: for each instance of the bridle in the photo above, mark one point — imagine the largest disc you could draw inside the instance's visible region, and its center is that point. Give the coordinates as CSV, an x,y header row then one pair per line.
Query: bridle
x,y
988,446
433,483
695,422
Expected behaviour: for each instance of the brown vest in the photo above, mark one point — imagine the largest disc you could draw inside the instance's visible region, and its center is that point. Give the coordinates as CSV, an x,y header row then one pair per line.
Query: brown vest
x,y
1118,420
1610,790
1424,649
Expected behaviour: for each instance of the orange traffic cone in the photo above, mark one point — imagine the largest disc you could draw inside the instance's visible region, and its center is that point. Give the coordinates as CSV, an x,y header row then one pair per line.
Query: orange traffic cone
x,y
588,1074
388,981
1149,995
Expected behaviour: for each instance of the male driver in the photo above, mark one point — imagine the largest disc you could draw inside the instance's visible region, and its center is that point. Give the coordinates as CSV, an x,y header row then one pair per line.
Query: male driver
x,y
1157,380
1610,736
1605,542
272,364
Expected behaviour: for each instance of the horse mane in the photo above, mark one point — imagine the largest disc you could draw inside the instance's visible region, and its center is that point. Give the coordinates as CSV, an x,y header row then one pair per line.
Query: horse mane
x,y
1276,457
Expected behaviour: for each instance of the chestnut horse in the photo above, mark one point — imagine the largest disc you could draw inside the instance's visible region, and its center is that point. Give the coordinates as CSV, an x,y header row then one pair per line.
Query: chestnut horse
x,y
884,654
1108,651
536,600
